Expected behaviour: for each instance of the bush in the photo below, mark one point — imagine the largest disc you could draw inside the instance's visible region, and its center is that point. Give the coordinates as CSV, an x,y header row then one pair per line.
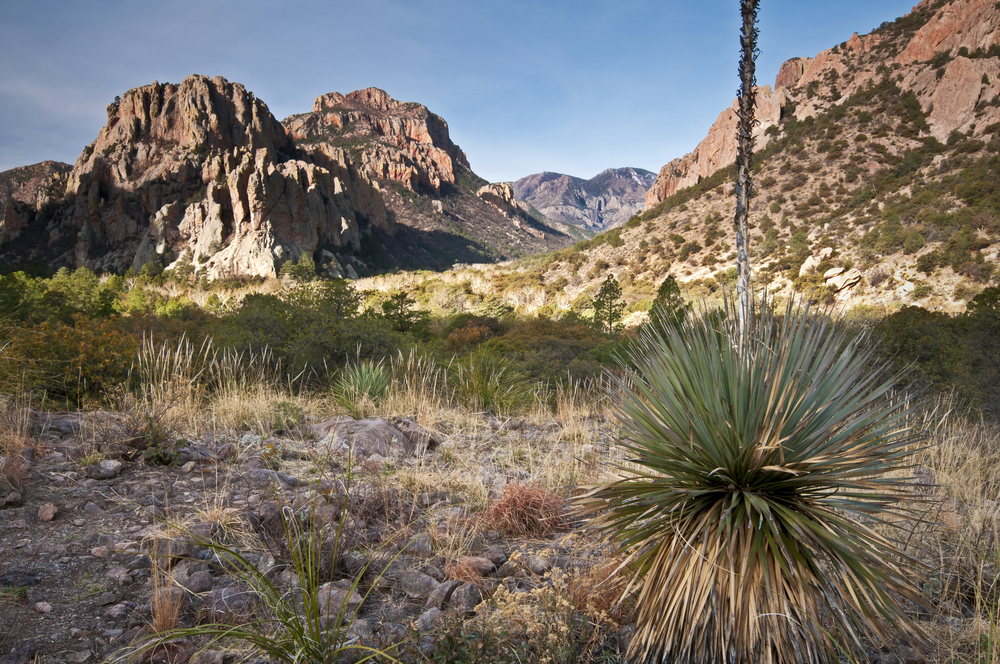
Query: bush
x,y
72,362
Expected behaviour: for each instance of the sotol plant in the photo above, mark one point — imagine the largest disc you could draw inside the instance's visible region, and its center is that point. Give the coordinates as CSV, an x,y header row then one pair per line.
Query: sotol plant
x,y
759,484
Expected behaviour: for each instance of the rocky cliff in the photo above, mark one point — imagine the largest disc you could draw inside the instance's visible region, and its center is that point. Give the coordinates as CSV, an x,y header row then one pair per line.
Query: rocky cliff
x,y
608,199
876,179
945,52
201,173
31,186
198,172
444,211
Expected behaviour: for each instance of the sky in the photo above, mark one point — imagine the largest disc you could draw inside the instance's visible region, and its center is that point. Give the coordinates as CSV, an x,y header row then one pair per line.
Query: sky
x,y
570,86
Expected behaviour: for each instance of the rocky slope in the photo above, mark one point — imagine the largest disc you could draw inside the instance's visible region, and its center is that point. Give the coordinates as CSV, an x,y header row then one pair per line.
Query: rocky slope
x,y
876,177
426,180
31,185
608,199
201,173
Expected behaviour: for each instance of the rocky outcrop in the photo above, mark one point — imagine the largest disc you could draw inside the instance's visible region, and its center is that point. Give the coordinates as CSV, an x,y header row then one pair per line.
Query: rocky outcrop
x,y
403,142
501,196
972,24
202,172
25,189
956,95
444,212
959,93
609,199
718,149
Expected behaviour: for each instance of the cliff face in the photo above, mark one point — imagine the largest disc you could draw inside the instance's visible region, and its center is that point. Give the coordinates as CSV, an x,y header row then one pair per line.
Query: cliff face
x,y
443,211
25,189
403,142
718,149
944,52
200,172
608,199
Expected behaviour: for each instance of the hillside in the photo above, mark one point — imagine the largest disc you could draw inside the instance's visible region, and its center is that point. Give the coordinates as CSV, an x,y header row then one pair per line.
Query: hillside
x,y
606,200
876,171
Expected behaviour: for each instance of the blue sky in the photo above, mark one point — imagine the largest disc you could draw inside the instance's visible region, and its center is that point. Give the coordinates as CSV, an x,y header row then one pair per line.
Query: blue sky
x,y
526,86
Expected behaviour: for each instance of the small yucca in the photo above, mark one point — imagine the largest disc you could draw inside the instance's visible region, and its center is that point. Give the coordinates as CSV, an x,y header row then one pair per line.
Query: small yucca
x,y
364,381
760,471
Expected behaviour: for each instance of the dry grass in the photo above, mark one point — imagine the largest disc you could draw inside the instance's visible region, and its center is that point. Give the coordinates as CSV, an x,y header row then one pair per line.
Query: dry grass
x,y
167,599
526,511
959,539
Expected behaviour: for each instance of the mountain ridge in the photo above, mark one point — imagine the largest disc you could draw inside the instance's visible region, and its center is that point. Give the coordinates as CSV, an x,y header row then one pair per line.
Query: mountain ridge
x,y
606,200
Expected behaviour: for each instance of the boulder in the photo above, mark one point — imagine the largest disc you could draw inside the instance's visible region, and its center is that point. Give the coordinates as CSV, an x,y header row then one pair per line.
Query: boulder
x,y
362,437
845,280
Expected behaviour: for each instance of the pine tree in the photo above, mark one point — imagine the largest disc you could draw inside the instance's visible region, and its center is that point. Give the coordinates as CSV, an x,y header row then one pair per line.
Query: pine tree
x,y
609,306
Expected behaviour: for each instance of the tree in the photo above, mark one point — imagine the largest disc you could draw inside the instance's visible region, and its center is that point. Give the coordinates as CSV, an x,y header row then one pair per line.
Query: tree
x,y
303,270
608,306
399,312
669,308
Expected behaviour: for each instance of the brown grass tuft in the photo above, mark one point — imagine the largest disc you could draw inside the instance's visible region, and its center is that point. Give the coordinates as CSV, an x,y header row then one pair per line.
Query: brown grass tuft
x,y
526,511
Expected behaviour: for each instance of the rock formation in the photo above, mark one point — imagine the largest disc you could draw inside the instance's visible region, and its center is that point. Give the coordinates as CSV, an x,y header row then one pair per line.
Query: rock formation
x,y
403,142
25,189
201,172
718,149
443,211
958,89
608,199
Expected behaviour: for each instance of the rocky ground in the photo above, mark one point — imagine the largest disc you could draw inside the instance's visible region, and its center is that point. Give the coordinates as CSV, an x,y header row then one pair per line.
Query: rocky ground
x,y
101,537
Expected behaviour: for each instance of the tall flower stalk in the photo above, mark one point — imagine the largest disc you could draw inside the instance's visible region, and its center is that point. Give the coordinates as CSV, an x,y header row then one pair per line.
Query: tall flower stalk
x,y
747,101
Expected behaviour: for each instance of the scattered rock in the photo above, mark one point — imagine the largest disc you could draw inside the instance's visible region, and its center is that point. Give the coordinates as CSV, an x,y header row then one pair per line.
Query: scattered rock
x,y
43,607
419,439
465,598
229,605
22,655
440,596
417,584
47,512
199,582
19,578
363,437
421,545
537,564
430,619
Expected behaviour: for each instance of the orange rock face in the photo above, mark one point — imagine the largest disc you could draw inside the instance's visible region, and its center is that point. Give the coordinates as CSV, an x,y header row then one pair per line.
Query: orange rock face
x,y
959,96
969,23
718,149
400,141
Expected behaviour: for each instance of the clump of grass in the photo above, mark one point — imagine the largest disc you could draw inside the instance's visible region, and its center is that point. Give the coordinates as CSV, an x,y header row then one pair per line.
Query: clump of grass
x,y
485,381
526,511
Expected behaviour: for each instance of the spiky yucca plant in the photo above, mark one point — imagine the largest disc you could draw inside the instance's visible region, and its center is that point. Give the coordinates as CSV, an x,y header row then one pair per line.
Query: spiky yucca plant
x,y
761,467
364,381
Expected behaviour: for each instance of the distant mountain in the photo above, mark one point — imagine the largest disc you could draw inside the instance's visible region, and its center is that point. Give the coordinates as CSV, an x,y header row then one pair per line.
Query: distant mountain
x,y
608,199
